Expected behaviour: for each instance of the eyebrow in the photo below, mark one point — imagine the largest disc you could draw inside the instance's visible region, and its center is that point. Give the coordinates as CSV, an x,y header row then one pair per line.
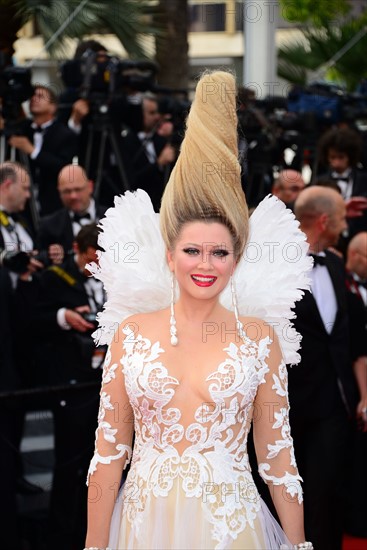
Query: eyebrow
x,y
214,245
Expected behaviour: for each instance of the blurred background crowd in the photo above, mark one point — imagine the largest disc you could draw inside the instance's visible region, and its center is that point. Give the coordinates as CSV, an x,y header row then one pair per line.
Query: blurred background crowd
x,y
113,128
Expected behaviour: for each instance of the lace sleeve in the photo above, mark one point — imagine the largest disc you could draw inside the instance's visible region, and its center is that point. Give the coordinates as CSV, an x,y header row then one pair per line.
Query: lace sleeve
x,y
272,437
115,418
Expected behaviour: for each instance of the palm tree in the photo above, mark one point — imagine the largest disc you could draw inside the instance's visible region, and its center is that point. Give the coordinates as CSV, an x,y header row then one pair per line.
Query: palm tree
x,y
130,20
76,18
298,61
172,43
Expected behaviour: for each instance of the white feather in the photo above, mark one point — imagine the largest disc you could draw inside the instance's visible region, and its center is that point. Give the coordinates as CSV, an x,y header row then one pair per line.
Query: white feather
x,y
269,279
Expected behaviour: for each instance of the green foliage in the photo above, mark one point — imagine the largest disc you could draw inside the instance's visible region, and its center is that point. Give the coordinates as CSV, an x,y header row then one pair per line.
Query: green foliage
x,y
300,60
124,18
317,13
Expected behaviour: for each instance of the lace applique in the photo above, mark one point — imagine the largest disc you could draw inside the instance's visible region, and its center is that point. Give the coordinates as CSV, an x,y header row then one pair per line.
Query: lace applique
x,y
109,433
291,481
213,465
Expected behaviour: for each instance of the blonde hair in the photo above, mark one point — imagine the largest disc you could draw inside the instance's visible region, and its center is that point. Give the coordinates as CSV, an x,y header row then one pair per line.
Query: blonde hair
x,y
205,183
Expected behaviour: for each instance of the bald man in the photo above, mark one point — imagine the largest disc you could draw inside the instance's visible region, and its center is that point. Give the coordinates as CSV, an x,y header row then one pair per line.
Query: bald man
x,y
288,186
322,389
58,231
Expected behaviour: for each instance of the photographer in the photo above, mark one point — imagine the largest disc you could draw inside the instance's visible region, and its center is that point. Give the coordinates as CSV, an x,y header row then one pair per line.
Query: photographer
x,y
68,302
257,145
48,144
16,243
17,265
151,154
93,106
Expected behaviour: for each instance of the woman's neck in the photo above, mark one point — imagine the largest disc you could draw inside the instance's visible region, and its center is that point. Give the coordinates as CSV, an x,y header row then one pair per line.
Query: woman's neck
x,y
198,311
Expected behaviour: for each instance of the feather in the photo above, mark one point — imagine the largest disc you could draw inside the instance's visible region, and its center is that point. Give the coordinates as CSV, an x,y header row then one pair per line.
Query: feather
x,y
270,277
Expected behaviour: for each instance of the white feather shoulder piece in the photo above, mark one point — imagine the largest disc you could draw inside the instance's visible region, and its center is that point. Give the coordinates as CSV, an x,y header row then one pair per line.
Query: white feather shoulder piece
x,y
273,272
132,267
269,279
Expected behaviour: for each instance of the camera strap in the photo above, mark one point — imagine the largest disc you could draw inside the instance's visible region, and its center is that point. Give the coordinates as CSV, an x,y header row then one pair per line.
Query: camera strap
x,y
64,275
9,225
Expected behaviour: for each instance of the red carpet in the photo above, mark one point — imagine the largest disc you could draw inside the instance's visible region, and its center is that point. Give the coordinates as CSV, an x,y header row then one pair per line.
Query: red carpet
x,y
351,543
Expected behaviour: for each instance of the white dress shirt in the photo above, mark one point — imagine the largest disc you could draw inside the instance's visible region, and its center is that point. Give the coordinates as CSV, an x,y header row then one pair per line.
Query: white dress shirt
x,y
323,291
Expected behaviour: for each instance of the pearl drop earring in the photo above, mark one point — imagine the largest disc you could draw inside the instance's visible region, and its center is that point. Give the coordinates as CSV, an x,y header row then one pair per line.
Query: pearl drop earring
x,y
173,329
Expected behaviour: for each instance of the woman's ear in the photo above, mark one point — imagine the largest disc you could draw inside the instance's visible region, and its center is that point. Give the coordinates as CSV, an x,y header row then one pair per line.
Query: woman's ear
x,y
169,256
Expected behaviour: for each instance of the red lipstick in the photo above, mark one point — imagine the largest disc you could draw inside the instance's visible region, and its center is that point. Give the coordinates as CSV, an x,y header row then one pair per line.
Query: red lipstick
x,y
203,280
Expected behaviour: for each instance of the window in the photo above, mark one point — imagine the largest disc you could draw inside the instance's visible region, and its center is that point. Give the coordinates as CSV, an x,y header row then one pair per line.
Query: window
x,y
207,16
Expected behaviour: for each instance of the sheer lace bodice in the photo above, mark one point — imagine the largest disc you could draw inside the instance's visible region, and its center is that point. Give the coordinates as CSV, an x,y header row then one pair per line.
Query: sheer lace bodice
x,y
196,443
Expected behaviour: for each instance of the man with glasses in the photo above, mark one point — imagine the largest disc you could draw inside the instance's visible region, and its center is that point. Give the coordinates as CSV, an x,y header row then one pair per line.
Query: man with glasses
x,y
57,231
288,186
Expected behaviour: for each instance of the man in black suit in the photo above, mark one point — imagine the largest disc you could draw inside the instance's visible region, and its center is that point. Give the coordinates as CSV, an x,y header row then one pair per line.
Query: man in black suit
x,y
339,154
322,389
288,185
60,228
16,287
357,283
48,144
151,155
68,357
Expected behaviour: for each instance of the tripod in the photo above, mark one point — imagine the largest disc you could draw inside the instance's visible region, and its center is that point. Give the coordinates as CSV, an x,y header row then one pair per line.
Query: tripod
x,y
103,126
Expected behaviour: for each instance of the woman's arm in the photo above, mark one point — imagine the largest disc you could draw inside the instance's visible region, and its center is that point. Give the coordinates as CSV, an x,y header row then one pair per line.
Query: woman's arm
x,y
274,445
113,445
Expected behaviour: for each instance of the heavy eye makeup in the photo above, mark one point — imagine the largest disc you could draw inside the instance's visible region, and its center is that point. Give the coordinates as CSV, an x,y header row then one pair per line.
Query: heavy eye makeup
x,y
218,252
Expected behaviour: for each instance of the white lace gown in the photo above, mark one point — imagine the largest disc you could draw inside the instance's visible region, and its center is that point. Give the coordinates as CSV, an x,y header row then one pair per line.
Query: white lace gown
x,y
190,484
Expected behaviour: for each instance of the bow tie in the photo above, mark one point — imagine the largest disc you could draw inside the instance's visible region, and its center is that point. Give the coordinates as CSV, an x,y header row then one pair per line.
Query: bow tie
x,y
77,217
340,178
38,129
318,260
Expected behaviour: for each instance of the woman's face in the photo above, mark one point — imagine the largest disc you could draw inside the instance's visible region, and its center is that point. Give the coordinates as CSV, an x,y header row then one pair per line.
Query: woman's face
x,y
202,259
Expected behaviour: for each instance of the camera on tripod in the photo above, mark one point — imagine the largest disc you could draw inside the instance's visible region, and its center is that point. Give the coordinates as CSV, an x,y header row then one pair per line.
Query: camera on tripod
x,y
100,77
15,88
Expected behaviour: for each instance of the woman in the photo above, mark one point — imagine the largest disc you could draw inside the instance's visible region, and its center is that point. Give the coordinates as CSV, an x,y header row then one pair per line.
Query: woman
x,y
190,378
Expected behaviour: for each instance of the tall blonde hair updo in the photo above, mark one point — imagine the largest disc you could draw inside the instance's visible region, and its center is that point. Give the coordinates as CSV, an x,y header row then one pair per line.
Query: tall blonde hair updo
x,y
205,184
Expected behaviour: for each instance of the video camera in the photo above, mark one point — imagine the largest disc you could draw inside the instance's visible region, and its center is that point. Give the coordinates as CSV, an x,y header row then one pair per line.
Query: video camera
x,y
102,76
15,88
329,103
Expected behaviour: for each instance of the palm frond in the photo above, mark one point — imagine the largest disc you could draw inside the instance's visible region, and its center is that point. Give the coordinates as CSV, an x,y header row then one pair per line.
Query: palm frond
x,y
296,61
124,18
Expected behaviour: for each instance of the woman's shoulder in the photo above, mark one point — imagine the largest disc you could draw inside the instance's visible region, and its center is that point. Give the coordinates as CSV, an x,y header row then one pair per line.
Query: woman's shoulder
x,y
257,329
144,323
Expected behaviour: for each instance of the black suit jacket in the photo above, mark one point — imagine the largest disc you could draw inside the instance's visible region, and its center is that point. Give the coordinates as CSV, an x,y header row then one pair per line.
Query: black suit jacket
x,y
323,382
57,228
64,356
359,189
15,318
146,175
58,149
121,115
